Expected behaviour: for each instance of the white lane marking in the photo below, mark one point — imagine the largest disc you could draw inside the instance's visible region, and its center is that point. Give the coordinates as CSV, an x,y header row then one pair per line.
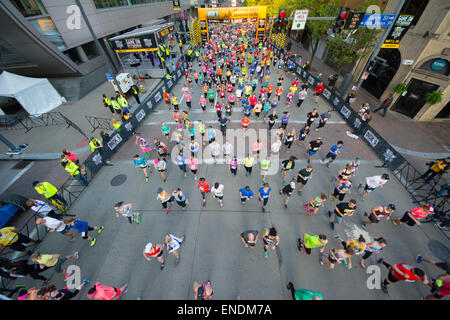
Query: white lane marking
x,y
17,177
251,121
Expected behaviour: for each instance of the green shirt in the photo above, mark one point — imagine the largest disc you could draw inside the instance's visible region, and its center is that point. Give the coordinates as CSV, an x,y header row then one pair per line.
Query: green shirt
x,y
265,164
313,241
211,94
305,294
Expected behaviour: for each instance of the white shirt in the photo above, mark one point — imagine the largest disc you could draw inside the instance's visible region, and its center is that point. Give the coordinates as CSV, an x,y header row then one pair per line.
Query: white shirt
x,y
375,181
258,69
52,223
215,149
238,93
41,207
174,244
302,95
227,148
219,191
276,147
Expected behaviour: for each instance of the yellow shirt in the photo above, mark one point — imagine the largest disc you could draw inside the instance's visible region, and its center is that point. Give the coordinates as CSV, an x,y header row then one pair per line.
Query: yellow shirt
x,y
8,236
47,260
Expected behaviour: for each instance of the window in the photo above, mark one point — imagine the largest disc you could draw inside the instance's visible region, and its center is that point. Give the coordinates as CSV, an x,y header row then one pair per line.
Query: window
x,y
415,8
102,4
47,28
29,8
10,59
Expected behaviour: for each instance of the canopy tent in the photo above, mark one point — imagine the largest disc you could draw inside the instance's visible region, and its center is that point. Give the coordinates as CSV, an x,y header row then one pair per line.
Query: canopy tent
x,y
36,95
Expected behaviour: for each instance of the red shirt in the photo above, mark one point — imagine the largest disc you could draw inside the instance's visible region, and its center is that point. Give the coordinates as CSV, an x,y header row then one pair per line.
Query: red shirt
x,y
253,101
319,88
295,83
203,187
279,91
245,122
408,270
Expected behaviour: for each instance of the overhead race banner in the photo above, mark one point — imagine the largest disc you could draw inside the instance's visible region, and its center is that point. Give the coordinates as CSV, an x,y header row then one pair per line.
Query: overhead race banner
x,y
136,44
397,32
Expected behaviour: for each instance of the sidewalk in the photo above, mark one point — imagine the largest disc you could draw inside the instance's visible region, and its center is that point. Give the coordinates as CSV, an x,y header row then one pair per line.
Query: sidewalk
x,y
417,141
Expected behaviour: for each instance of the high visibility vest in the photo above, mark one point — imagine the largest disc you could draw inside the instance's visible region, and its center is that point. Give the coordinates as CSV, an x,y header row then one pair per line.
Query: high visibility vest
x,y
190,52
115,104
167,51
134,91
116,125
159,55
265,164
47,189
70,167
180,43
107,101
123,102
94,143
168,76
197,53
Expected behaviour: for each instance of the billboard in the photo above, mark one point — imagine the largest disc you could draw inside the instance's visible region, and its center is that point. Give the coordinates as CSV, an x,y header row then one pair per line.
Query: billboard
x,y
135,44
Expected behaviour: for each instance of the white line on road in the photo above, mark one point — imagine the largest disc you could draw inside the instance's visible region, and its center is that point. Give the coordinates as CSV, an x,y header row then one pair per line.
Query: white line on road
x,y
17,177
251,121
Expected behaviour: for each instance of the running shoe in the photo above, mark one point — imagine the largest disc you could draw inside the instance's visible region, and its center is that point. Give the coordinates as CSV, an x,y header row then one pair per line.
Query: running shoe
x,y
360,186
285,206
345,263
419,258
332,197
162,266
265,254
146,179
316,129
381,260
85,281
338,236
204,203
332,225
395,223
328,165
322,161
195,177
366,214
299,193
305,206
329,213
363,225
384,288
125,289
177,261
263,209
100,230
75,255
93,241
138,218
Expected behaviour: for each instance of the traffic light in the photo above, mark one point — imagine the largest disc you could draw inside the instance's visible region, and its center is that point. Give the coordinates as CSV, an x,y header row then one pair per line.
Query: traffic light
x,y
340,20
282,19
276,26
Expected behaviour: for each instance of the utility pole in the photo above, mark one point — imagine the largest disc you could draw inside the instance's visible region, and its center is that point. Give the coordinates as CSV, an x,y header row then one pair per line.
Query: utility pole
x,y
380,43
100,48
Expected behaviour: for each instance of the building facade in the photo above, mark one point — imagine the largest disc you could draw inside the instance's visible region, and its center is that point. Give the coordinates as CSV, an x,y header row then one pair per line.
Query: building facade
x,y
49,38
421,62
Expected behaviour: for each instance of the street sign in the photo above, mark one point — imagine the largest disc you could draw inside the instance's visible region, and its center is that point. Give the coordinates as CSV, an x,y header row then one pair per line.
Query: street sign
x,y
300,17
377,20
354,20
407,62
109,76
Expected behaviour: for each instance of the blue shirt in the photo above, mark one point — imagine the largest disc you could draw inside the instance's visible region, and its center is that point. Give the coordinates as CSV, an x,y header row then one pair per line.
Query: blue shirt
x,y
181,160
248,108
264,194
285,119
81,226
141,162
246,194
334,149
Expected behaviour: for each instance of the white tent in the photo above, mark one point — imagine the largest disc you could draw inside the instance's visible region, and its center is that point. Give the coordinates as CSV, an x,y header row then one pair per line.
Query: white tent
x,y
36,95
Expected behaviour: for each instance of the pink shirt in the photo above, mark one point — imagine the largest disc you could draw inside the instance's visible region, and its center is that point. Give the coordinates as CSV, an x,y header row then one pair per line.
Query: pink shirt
x,y
102,292
253,101
187,97
193,163
71,156
256,146
418,213
202,101
231,97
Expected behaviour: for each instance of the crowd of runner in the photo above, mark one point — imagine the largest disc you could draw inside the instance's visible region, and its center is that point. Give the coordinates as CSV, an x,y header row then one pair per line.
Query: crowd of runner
x,y
233,70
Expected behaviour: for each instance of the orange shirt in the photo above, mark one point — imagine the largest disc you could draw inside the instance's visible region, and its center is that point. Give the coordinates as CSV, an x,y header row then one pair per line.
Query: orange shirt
x,y
279,91
166,96
269,88
245,122
219,71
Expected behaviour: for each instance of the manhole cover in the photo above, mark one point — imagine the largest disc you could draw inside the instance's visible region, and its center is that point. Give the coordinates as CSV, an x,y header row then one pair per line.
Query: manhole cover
x,y
118,180
439,249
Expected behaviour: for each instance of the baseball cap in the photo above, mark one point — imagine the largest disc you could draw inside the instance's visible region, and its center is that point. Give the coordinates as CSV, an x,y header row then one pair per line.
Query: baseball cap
x,y
392,206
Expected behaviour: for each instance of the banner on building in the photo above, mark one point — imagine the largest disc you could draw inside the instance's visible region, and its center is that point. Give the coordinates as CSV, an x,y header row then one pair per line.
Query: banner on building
x,y
135,44
398,30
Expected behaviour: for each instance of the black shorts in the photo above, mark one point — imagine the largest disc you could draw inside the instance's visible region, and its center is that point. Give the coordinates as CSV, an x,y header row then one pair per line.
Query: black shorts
x,y
444,266
367,189
84,234
211,100
391,277
219,197
331,259
407,219
373,219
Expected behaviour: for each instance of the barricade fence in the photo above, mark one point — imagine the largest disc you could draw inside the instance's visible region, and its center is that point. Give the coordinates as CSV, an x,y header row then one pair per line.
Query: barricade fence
x,y
406,174
71,190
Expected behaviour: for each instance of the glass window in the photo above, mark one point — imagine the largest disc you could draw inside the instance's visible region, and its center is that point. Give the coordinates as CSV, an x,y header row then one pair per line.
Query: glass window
x,y
29,8
101,4
47,28
10,59
415,8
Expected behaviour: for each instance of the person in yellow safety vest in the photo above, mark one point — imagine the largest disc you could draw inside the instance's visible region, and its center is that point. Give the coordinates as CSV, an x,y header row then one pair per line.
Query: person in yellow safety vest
x,y
95,144
123,103
108,103
260,45
167,52
197,54
116,105
74,171
49,191
168,76
181,45
436,167
116,124
190,52
135,93
160,56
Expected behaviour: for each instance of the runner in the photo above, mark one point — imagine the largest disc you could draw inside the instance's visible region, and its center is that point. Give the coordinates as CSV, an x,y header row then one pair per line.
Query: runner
x,y
10,237
270,238
264,195
165,198
246,194
181,161
302,94
303,176
249,160
287,190
272,118
341,210
332,153
374,182
53,225
303,294
411,216
303,134
265,165
166,97
314,146
318,90
203,291
249,238
286,166
375,246
311,117
340,190
211,134
194,147
193,165
223,124
173,243
204,188
227,151
402,272
161,166
245,123
51,293
142,163
339,256
154,251
377,214
310,242
202,103
290,137
215,151
125,210
83,228
47,261
313,206
323,119
217,192
285,119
